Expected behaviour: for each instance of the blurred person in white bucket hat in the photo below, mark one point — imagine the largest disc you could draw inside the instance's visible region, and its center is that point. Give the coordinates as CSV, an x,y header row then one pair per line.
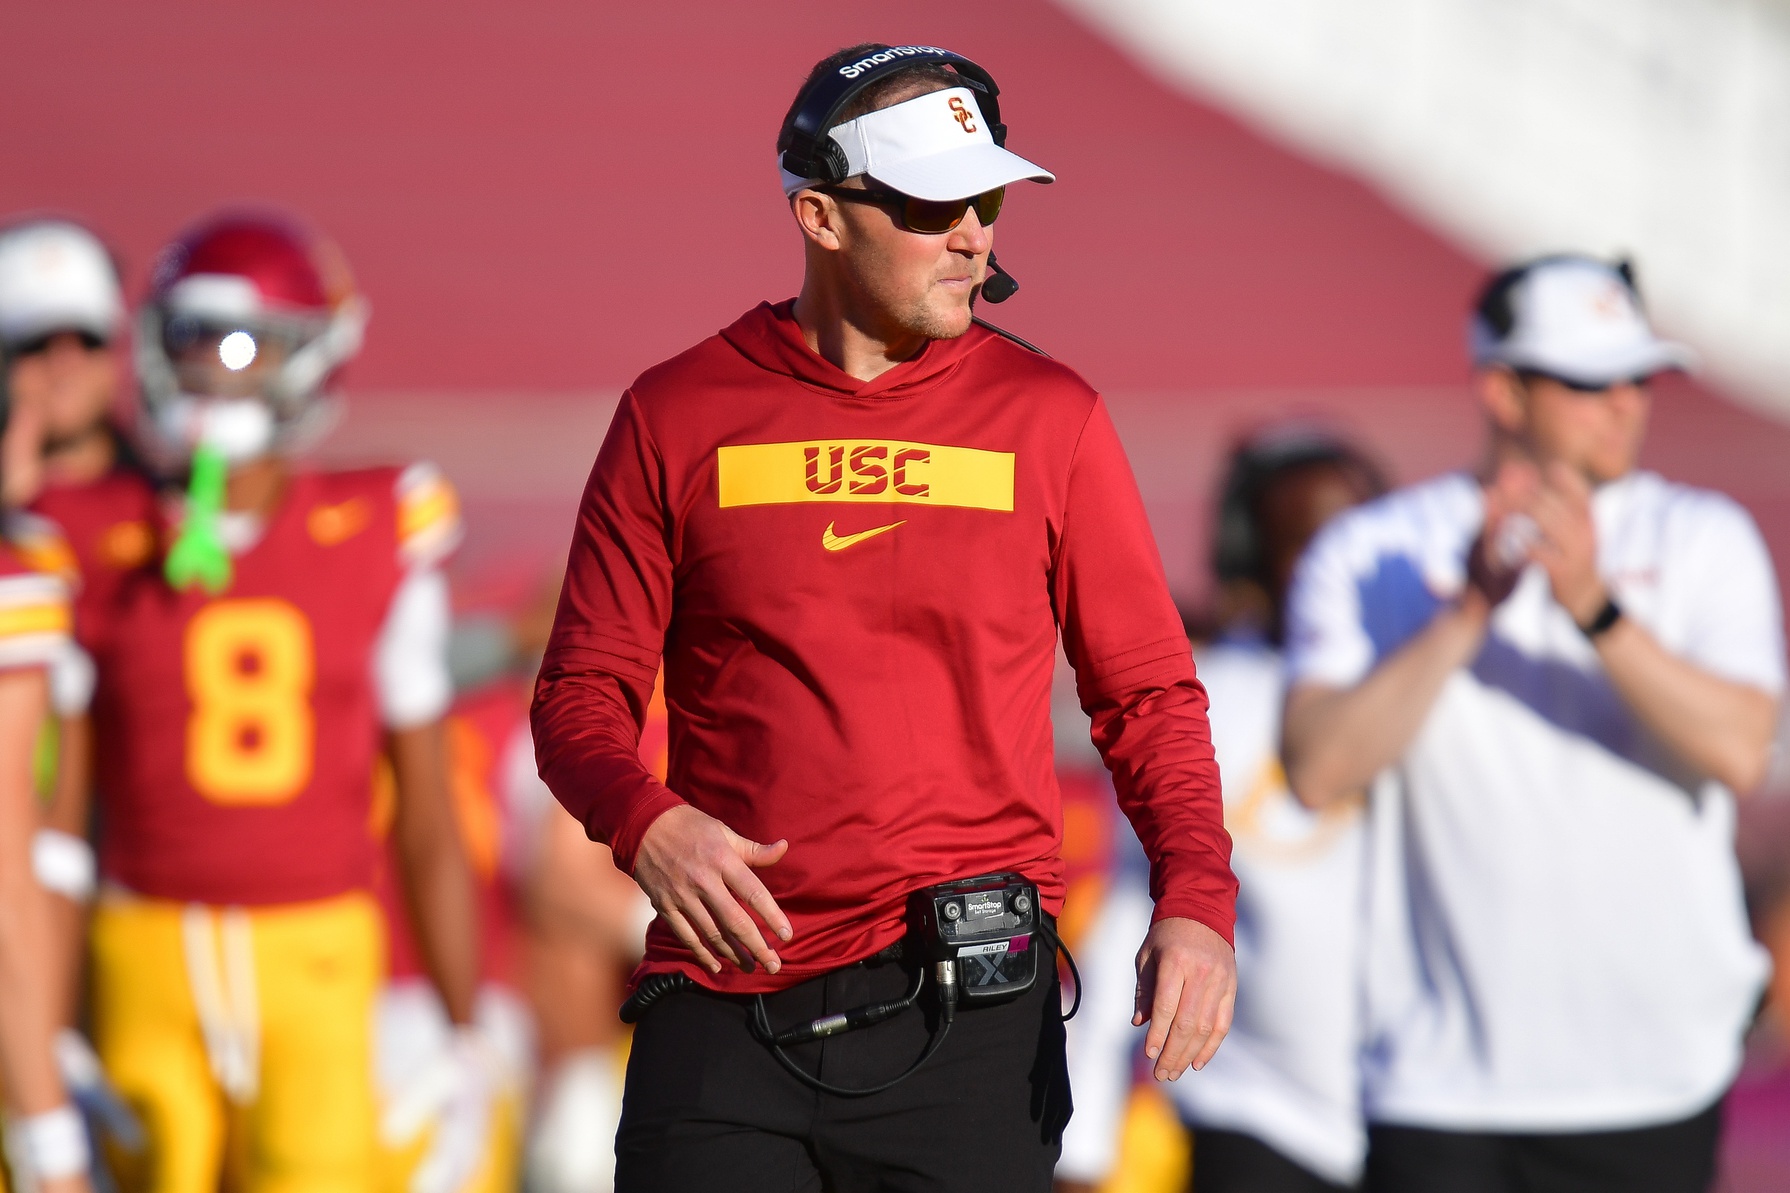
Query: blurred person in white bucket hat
x,y
1556,673
61,311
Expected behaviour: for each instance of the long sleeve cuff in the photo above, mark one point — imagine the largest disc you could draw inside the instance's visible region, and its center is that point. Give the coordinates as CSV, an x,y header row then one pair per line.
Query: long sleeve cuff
x,y
1216,915
651,801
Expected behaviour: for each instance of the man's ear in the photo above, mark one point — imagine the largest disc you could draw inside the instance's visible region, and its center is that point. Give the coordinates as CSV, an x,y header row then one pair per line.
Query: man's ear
x,y
1504,397
818,216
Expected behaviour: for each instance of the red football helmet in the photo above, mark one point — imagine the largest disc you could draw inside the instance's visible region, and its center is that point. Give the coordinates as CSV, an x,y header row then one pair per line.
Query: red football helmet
x,y
248,319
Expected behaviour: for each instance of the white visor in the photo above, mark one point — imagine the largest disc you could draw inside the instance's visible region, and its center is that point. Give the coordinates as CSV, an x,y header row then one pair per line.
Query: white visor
x,y
1578,319
935,146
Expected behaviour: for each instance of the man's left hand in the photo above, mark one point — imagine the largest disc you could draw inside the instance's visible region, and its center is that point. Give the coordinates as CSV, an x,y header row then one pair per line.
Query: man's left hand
x,y
1186,990
1567,547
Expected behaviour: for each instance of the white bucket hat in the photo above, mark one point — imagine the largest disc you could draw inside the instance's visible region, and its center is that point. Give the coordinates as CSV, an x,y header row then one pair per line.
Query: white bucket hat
x,y
56,276
1579,319
935,146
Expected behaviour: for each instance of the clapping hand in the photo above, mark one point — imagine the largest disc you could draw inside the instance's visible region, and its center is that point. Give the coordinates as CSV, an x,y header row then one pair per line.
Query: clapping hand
x,y
1497,558
1566,547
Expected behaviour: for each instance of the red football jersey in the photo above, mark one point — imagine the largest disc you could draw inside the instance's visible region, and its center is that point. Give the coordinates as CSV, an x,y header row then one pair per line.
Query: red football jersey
x,y
236,734
34,606
110,528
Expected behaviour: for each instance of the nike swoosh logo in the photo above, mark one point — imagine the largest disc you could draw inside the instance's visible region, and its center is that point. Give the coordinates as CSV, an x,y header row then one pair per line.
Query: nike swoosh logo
x,y
834,542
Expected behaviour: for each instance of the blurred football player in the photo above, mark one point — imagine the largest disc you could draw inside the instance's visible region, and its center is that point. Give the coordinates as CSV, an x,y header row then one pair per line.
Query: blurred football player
x,y
46,1145
260,643
414,1055
582,922
585,929
1278,1109
60,314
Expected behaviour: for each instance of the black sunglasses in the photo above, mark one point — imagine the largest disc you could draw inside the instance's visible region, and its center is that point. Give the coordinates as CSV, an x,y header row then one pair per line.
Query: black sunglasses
x,y
927,216
1527,376
38,344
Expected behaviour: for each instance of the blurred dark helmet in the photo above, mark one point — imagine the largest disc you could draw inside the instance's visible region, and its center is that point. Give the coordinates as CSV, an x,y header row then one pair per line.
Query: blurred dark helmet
x,y
1239,550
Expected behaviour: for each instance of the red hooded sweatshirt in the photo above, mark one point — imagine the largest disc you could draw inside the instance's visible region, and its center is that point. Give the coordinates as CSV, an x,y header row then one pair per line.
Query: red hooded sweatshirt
x,y
856,589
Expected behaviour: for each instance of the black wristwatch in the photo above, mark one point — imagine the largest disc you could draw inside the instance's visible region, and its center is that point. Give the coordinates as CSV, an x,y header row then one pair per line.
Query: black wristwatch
x,y
1606,617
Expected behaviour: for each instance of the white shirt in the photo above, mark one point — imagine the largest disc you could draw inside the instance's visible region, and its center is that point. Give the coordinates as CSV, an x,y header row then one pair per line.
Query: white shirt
x,y
1288,1072
1558,940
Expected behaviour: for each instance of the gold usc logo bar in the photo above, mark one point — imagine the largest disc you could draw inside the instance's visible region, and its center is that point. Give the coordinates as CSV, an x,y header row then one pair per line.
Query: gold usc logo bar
x,y
865,470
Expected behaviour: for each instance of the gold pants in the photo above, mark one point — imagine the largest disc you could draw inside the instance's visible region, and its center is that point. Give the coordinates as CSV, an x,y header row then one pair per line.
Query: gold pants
x,y
243,1040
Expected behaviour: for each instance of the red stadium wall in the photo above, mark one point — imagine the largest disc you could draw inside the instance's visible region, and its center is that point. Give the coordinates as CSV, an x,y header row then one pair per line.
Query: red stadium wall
x,y
543,198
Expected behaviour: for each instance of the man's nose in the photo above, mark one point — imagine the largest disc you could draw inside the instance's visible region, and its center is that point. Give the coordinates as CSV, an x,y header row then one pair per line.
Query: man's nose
x,y
970,236
65,350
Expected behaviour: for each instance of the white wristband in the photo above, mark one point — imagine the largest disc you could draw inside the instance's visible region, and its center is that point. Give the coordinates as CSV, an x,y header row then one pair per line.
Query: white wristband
x,y
47,1146
63,863
72,678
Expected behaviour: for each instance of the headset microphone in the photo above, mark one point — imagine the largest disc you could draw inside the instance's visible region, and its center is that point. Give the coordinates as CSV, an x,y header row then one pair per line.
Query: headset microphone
x,y
998,285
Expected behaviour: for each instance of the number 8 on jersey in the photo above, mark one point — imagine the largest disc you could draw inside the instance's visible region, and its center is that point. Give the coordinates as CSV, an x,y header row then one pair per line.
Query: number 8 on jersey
x,y
250,668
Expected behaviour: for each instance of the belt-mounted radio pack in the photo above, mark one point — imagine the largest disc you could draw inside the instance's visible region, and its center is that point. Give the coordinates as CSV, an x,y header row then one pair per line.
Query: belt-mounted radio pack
x,y
981,941
986,926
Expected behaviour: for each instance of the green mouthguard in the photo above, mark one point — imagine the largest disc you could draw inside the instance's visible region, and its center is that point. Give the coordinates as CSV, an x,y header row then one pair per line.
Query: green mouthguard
x,y
198,555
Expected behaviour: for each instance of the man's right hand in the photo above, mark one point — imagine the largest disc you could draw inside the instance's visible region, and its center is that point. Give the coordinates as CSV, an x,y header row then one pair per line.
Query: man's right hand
x,y
1496,560
1335,740
698,873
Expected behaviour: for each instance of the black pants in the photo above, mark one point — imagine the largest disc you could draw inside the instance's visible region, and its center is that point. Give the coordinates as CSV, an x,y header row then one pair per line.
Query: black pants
x,y
1232,1162
708,1107
1676,1157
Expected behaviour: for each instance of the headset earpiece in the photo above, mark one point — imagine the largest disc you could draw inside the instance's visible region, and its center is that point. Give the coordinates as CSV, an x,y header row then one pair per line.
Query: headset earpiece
x,y
833,163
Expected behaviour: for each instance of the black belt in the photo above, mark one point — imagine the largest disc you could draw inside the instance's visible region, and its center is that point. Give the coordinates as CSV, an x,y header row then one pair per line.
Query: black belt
x,y
655,986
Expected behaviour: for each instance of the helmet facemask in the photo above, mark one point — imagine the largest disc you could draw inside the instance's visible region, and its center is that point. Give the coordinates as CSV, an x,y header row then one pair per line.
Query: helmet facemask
x,y
219,368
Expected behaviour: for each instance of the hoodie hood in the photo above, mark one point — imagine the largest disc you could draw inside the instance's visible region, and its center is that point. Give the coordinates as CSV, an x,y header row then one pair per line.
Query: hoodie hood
x,y
769,336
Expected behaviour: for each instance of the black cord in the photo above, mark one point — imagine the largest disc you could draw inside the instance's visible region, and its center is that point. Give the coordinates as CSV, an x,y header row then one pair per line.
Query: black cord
x,y
761,1026
1057,946
651,989
1007,335
852,1020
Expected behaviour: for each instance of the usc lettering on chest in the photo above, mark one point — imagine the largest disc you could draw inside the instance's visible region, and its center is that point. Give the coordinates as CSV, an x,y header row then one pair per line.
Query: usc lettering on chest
x,y
864,470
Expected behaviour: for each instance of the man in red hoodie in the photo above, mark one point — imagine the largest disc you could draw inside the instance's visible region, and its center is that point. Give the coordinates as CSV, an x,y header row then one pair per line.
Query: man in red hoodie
x,y
852,525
